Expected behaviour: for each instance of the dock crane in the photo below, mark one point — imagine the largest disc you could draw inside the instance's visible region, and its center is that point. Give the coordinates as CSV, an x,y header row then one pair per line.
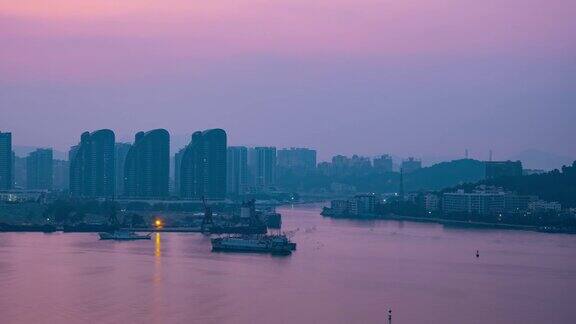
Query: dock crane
x,y
207,221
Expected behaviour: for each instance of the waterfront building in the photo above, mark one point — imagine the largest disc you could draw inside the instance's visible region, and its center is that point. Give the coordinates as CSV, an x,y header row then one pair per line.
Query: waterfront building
x,y
431,202
147,165
120,153
39,169
262,165
92,165
61,175
339,206
485,201
6,161
297,158
383,163
497,169
237,170
545,206
410,165
365,204
203,166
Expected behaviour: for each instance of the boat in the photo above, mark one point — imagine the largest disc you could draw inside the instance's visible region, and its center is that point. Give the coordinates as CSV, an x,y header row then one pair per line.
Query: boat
x,y
274,244
123,235
273,220
281,239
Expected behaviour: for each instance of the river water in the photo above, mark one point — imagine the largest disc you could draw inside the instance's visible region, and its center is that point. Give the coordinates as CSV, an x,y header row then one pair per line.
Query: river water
x,y
343,272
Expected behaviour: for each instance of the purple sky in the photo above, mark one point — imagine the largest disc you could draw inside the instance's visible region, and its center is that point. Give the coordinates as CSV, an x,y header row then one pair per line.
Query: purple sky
x,y
423,77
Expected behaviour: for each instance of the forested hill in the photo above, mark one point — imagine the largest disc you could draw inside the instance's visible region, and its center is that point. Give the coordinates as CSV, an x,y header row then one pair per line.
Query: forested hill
x,y
556,185
445,174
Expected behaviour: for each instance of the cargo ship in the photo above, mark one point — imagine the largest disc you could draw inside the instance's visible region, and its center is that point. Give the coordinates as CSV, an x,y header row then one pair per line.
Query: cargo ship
x,y
274,244
123,235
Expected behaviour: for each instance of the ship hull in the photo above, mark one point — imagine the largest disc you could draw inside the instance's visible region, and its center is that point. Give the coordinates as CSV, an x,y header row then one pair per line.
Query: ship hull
x,y
113,237
240,246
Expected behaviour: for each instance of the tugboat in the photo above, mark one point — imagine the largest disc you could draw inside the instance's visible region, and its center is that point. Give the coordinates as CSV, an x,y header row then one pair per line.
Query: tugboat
x,y
123,235
274,244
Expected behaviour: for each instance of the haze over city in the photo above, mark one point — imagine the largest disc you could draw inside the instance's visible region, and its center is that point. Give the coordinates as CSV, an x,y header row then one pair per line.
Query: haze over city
x,y
287,161
409,78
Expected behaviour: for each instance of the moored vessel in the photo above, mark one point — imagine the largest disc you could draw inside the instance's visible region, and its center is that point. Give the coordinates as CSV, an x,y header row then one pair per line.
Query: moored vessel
x,y
123,235
274,244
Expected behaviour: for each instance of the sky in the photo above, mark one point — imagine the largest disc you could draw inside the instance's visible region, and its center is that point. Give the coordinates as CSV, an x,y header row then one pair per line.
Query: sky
x,y
410,78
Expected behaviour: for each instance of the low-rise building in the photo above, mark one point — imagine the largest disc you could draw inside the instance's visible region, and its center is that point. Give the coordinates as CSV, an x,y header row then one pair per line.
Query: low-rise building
x,y
484,201
431,202
541,205
365,203
339,206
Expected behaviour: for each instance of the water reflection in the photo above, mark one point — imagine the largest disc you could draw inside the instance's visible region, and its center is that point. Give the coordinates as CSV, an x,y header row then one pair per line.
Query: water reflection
x,y
157,277
157,246
342,272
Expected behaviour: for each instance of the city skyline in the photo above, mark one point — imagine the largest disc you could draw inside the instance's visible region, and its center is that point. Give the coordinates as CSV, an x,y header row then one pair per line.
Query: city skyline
x,y
178,142
405,78
302,161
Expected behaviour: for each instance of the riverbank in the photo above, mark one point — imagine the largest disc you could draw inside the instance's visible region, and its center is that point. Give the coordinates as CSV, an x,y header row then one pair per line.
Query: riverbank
x,y
459,223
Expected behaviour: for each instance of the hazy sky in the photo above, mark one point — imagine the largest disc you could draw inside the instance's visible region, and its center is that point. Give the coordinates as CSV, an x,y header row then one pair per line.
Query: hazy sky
x,y
421,77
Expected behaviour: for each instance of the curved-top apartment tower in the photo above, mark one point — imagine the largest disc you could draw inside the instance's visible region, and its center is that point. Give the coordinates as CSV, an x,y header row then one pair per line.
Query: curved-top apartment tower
x,y
146,168
203,166
92,165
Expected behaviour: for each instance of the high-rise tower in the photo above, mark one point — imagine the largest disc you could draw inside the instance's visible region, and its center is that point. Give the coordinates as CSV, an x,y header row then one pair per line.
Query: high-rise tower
x,y
6,178
147,165
92,165
203,166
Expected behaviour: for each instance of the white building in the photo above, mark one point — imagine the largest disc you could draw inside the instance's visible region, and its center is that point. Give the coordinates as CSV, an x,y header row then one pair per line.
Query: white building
x,y
541,205
484,202
431,202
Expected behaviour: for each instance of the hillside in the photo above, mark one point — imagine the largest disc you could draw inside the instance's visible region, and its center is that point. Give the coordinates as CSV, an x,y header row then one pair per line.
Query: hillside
x,y
556,185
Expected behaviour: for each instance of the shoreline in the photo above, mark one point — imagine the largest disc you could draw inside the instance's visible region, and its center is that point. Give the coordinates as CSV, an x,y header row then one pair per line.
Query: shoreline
x,y
457,223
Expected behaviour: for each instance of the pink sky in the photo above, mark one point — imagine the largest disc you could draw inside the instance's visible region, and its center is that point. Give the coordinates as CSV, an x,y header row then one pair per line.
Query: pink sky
x,y
250,66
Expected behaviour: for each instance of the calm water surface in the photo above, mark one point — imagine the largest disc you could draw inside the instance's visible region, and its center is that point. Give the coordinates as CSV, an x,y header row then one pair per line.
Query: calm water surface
x,y
343,272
